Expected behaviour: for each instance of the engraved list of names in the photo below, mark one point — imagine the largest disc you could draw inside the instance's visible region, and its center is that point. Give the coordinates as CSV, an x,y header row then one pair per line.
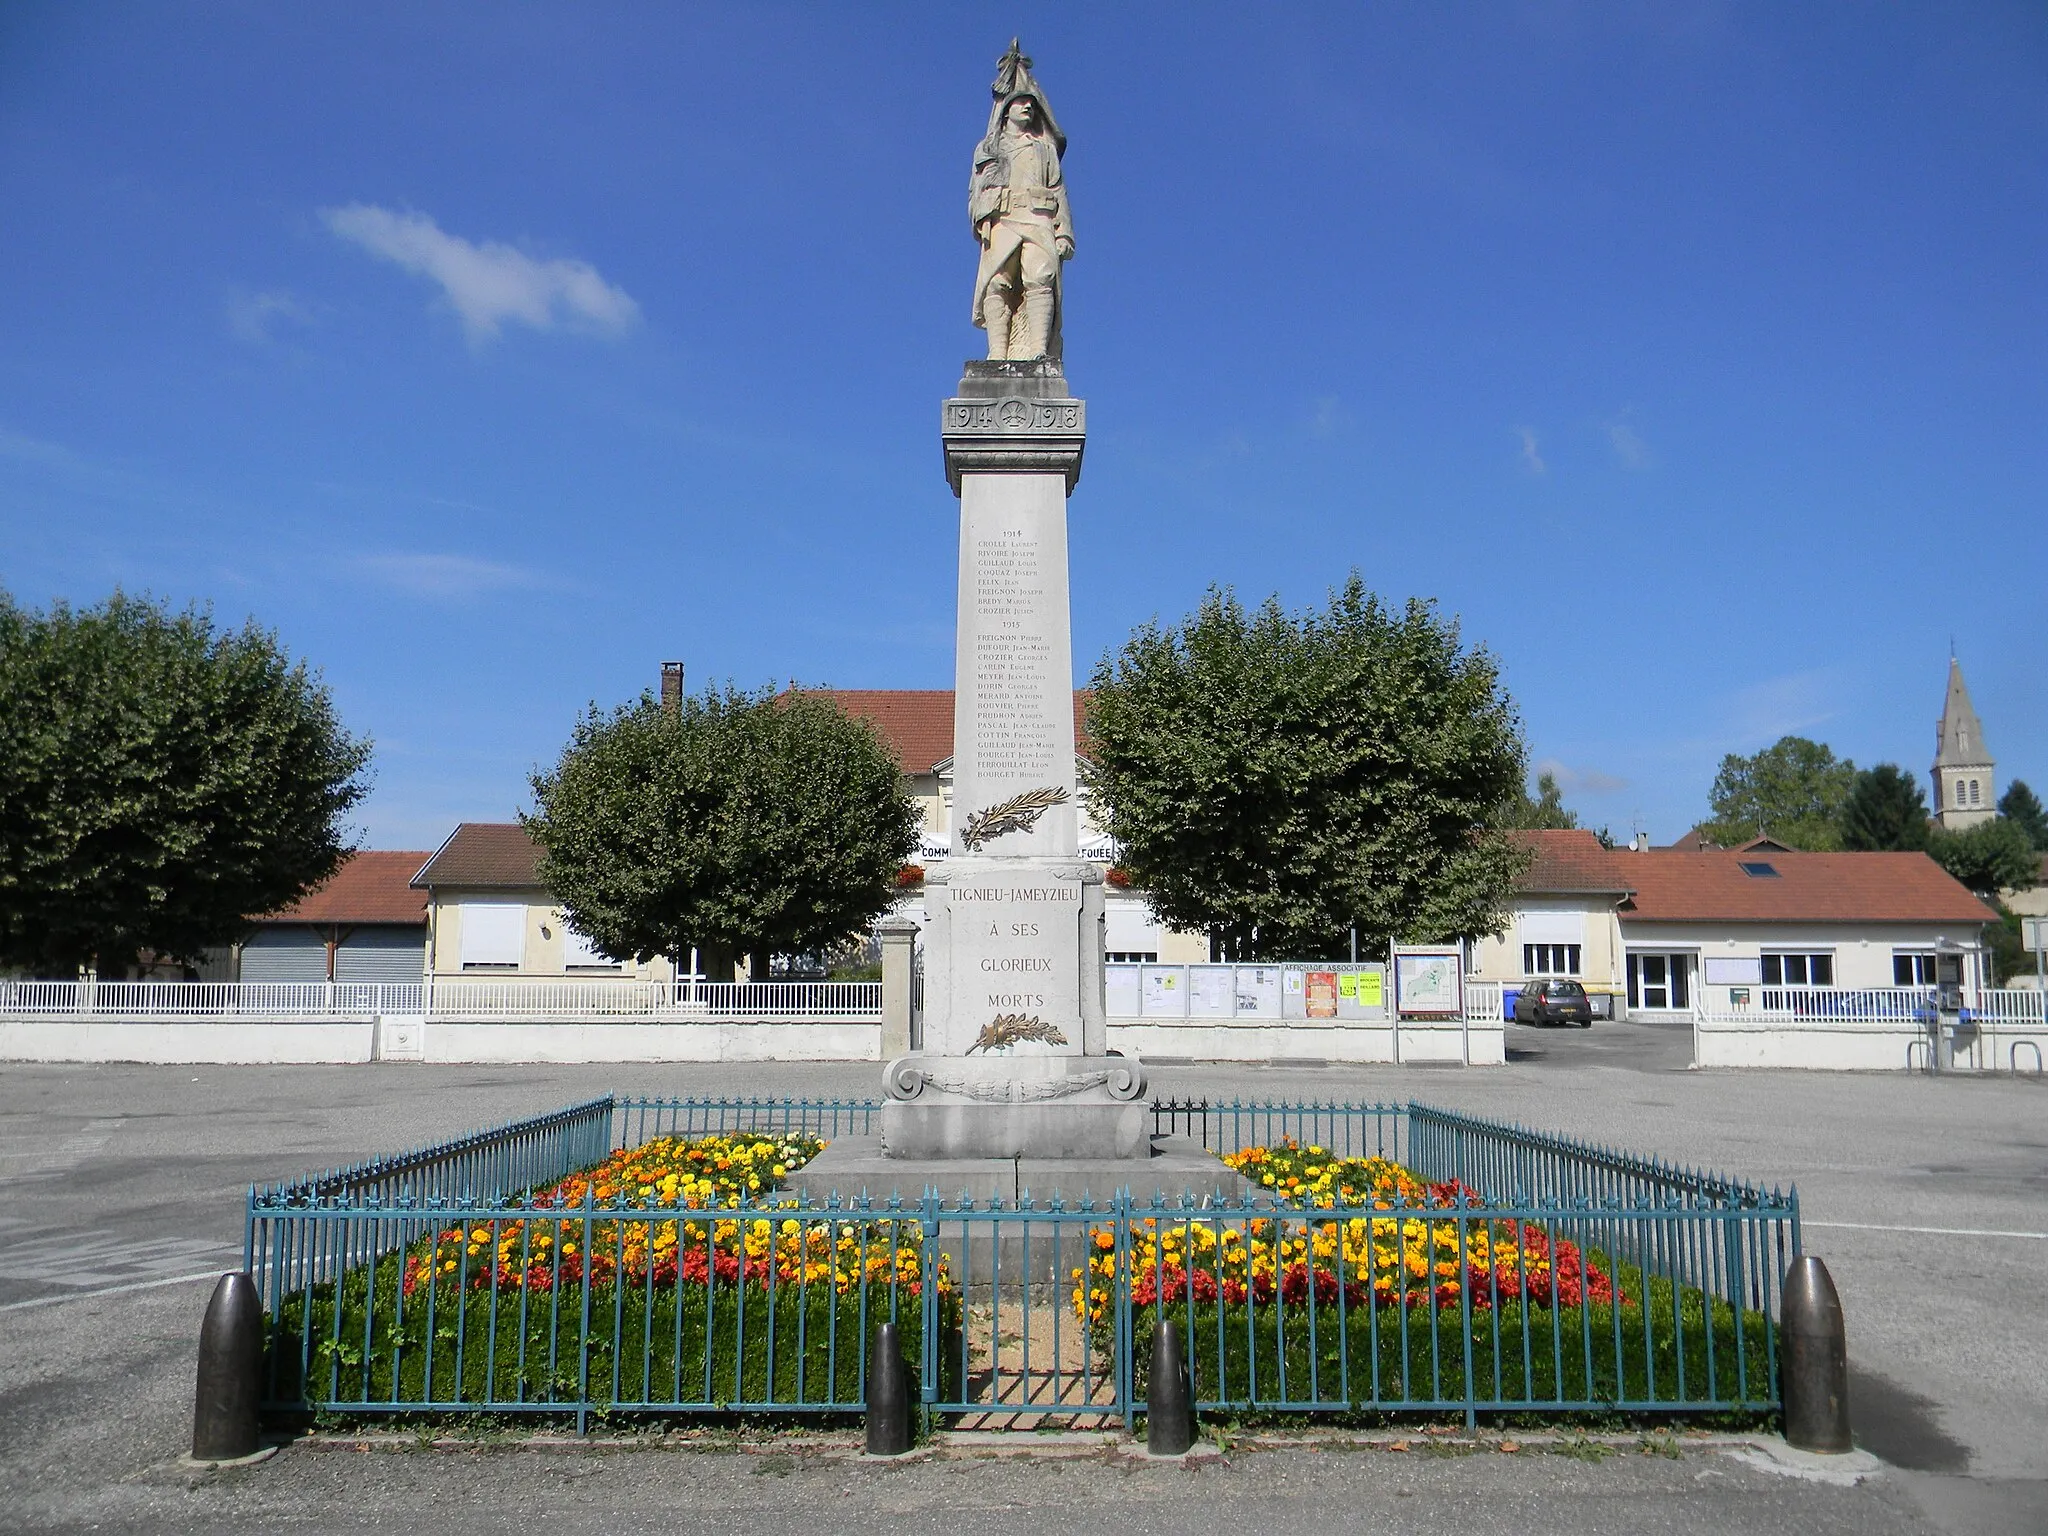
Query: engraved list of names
x,y
1014,727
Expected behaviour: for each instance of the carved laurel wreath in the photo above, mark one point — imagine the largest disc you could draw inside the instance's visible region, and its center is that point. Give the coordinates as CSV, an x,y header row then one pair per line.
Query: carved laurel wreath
x,y
1008,1028
1017,814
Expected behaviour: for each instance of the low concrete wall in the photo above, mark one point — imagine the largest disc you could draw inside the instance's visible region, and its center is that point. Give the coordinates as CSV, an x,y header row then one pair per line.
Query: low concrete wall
x,y
218,1042
564,1043
408,1037
1843,1046
1220,1040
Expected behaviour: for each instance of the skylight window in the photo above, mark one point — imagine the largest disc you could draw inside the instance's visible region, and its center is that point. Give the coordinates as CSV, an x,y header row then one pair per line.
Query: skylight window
x,y
1759,870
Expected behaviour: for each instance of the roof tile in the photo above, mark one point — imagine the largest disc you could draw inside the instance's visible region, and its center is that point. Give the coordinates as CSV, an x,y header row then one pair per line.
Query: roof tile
x,y
484,853
1670,885
373,886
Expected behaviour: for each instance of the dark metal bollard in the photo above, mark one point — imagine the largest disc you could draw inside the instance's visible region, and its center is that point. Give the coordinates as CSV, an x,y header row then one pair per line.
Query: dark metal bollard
x,y
1813,1360
888,1395
1169,1417
230,1372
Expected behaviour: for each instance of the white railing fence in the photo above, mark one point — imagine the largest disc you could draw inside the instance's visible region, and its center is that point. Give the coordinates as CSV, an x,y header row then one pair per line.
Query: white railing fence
x,y
823,1002
207,999
1820,1006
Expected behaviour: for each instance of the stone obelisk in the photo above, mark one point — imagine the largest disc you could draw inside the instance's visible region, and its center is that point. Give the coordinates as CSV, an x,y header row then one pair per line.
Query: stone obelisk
x,y
1014,1062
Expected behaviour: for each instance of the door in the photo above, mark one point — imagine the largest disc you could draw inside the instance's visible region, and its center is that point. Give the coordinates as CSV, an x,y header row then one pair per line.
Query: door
x,y
1659,983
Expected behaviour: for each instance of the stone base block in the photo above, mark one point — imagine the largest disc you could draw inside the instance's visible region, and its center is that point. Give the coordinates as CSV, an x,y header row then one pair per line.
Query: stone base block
x,y
1174,1169
1054,1132
1057,1108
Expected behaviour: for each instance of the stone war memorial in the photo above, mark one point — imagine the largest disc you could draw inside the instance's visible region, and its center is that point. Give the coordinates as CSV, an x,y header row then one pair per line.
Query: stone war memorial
x,y
1015,1066
1013,1231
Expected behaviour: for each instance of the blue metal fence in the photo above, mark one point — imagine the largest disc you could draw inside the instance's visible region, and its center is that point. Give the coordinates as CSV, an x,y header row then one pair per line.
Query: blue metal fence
x,y
433,1282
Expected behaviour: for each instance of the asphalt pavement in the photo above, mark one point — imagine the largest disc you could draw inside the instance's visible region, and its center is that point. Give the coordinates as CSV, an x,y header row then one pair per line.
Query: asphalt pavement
x,y
122,1189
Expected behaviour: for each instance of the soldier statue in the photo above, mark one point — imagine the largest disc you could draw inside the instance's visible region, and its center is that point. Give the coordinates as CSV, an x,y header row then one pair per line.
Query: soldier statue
x,y
1017,202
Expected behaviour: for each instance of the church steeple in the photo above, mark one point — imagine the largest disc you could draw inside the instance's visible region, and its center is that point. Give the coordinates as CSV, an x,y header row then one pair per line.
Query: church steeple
x,y
1963,792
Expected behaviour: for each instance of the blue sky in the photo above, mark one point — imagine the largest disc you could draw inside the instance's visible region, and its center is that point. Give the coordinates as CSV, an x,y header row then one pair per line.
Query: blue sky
x,y
1695,356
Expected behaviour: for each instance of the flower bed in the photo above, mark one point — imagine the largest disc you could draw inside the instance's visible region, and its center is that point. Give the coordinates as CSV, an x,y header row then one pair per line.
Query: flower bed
x,y
1375,1304
605,1287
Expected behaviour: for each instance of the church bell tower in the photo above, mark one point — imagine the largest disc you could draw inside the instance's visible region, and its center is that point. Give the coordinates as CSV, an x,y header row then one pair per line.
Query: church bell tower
x,y
1963,785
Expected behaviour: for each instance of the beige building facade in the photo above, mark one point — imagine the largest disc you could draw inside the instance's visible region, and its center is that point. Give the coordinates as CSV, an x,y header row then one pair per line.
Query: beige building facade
x,y
1665,933
489,915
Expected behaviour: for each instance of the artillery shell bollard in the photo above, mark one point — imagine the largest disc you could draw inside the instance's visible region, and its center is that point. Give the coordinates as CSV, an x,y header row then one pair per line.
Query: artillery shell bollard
x,y
888,1395
1813,1360
1169,1417
224,1426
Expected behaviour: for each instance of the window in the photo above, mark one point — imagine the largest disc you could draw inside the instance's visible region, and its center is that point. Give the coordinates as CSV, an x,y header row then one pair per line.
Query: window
x,y
1973,792
1132,957
493,935
1807,970
1912,968
1550,959
579,954
1759,871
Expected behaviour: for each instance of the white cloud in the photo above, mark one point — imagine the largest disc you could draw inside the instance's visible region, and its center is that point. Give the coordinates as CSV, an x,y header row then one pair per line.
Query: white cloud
x,y
1786,705
1532,461
489,283
1589,781
446,576
1629,448
19,445
251,315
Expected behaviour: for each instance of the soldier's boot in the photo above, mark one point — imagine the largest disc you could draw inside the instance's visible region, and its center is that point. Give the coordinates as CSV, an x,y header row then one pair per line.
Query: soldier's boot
x,y
1034,323
995,314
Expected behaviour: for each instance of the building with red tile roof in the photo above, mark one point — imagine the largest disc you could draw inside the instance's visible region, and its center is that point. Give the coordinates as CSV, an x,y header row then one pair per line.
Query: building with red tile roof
x,y
1653,928
489,913
366,922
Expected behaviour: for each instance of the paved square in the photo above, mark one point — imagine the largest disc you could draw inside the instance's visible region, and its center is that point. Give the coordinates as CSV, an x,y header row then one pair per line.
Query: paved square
x,y
1928,1199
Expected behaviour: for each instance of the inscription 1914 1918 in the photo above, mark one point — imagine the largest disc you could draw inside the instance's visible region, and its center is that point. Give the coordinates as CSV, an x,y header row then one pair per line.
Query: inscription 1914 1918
x,y
1013,415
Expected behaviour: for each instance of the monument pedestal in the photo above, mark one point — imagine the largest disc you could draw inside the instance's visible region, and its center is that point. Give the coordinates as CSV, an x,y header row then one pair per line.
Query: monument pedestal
x,y
1015,1063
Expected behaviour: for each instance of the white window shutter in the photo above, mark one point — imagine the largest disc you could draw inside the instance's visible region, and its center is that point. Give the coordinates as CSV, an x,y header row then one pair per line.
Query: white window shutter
x,y
493,933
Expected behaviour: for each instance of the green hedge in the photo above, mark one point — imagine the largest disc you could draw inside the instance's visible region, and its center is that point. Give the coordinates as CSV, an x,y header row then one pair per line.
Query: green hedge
x,y
669,1346
1522,1357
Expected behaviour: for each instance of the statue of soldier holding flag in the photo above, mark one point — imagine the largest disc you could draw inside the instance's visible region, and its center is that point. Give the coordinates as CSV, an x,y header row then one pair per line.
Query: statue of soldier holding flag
x,y
1017,202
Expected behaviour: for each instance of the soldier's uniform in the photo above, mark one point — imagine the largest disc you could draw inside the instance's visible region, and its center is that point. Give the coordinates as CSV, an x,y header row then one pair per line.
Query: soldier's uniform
x,y
1018,205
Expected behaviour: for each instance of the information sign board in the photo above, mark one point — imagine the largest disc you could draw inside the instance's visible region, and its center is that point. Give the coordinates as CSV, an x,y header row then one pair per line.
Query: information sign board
x,y
1429,980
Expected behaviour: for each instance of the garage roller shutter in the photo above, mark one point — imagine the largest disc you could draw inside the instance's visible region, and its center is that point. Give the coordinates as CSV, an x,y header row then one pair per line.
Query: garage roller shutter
x,y
391,954
285,954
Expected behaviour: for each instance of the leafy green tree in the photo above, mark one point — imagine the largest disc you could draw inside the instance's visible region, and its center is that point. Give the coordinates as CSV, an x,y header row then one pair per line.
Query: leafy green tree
x,y
161,781
2022,807
1990,857
1885,812
1545,810
1274,779
2009,954
738,823
1793,790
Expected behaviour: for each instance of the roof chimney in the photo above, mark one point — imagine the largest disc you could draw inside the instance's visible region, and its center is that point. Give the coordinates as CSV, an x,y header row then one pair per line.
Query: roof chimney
x,y
1640,843
672,686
